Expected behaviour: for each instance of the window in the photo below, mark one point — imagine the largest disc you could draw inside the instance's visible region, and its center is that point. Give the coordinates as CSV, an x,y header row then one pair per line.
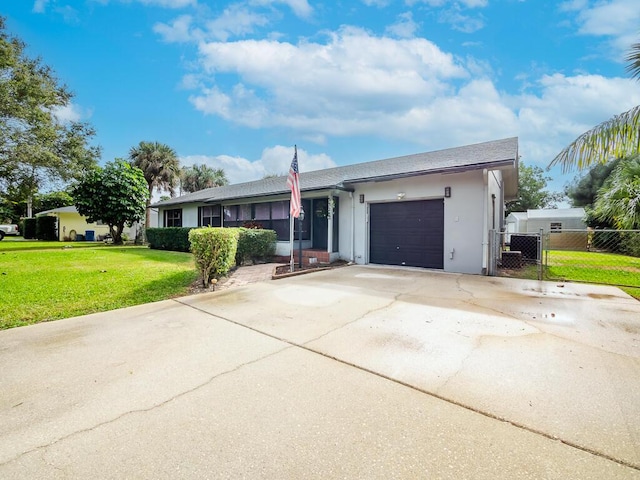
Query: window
x,y
209,216
271,215
173,218
556,227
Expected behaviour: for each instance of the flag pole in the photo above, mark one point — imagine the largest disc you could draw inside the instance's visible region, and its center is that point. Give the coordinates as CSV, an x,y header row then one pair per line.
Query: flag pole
x,y
293,182
291,262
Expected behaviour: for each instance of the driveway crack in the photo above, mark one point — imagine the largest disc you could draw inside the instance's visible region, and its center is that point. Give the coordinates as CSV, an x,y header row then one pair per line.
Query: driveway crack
x,y
143,410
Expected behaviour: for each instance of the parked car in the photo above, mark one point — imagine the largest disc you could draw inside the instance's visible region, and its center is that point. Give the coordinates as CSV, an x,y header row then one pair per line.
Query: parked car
x,y
8,230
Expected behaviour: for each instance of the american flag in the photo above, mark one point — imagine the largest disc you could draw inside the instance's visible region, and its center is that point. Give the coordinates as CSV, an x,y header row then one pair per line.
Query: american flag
x,y
293,182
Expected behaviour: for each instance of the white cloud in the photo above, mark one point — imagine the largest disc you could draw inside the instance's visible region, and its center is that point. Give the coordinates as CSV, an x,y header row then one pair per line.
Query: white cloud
x,y
40,6
179,30
70,113
300,7
461,22
404,27
617,19
169,3
274,160
236,20
353,72
455,3
567,107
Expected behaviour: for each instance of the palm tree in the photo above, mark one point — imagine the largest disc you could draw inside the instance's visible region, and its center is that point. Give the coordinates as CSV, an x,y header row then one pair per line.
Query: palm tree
x,y
617,137
199,177
160,165
618,199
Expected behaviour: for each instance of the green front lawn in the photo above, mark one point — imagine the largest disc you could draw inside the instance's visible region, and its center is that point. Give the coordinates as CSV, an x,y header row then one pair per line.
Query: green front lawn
x,y
54,282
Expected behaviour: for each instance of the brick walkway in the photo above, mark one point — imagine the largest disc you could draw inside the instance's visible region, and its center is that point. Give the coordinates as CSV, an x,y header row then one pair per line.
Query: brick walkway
x,y
250,274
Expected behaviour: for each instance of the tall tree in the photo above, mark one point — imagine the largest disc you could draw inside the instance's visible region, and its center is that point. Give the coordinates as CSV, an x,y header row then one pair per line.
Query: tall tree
x,y
532,191
619,198
116,194
36,147
199,177
617,137
584,190
161,168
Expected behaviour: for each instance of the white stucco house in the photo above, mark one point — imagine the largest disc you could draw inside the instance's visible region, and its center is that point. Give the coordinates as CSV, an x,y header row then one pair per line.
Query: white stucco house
x,y
431,210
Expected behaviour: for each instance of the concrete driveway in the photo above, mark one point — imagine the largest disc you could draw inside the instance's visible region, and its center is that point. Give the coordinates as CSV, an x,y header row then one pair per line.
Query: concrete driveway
x,y
358,372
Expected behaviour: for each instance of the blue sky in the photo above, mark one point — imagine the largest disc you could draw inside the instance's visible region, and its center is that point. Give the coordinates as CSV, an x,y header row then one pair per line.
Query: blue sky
x,y
236,84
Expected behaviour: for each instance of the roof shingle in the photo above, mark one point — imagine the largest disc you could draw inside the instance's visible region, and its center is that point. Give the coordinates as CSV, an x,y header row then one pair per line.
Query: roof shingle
x,y
494,154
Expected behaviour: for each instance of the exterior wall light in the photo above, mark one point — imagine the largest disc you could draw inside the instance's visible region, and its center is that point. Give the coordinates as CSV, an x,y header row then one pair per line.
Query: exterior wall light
x,y
447,192
362,198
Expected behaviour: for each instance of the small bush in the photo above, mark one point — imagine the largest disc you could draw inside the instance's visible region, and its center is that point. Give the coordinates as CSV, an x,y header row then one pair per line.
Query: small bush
x,y
28,228
46,228
254,244
630,243
214,250
170,238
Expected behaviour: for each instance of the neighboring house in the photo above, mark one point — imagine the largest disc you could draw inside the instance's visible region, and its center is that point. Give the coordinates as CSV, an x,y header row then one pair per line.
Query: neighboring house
x,y
71,225
548,220
561,223
432,210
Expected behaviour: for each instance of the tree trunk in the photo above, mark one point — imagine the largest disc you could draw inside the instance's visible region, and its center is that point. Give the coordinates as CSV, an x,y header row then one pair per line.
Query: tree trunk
x,y
147,214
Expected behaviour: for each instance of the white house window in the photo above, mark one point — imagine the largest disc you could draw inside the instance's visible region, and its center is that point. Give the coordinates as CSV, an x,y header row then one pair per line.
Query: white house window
x,y
556,227
209,216
173,218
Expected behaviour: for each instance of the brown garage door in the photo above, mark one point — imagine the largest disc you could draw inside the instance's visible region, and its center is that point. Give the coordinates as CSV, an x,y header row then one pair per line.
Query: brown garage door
x,y
407,233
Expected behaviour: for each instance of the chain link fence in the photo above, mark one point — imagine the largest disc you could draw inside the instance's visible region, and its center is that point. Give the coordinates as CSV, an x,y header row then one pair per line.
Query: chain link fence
x,y
610,257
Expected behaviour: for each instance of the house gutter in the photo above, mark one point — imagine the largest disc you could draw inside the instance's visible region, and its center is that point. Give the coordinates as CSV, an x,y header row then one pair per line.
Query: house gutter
x,y
353,238
485,221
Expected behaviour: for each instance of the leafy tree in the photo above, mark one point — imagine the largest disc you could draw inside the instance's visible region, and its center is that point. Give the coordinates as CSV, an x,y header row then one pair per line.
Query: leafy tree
x,y
36,147
199,177
618,200
532,192
51,200
161,168
584,190
617,137
116,194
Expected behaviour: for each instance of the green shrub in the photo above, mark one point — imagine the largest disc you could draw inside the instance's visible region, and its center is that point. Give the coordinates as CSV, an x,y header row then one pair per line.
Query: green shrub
x,y
46,228
630,243
214,250
169,238
28,228
254,244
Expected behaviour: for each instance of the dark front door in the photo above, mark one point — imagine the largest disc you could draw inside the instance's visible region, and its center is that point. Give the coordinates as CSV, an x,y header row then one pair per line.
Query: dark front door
x,y
320,223
407,233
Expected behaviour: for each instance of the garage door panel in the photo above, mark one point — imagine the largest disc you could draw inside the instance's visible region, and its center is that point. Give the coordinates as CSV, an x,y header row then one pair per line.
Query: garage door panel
x,y
407,233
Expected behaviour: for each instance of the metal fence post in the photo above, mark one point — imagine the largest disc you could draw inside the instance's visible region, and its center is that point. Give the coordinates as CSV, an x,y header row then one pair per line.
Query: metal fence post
x,y
540,250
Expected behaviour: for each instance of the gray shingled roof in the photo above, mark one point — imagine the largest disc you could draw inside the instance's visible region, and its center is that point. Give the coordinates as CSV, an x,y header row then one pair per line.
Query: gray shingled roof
x,y
493,155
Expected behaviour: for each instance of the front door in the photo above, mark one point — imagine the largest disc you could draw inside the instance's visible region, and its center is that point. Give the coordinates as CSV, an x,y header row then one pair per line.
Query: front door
x,y
320,223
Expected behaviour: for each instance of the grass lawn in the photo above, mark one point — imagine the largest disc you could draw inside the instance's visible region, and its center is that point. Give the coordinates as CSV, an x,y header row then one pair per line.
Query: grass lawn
x,y
54,282
595,267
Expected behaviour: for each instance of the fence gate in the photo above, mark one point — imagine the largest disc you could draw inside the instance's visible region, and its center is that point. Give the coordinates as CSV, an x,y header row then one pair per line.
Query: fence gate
x,y
516,254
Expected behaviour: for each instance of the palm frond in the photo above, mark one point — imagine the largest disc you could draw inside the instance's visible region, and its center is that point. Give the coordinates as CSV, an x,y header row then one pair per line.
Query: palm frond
x,y
615,138
634,60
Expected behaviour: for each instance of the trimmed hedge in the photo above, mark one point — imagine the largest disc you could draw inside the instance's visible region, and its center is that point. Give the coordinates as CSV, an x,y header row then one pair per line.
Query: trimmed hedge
x,y
169,238
255,244
46,228
214,250
28,228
